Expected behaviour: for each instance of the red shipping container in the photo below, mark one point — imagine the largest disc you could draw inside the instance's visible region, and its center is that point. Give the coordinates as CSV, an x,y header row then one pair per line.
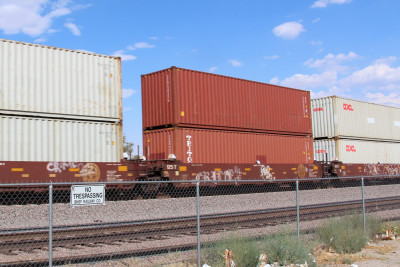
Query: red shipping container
x,y
191,145
181,97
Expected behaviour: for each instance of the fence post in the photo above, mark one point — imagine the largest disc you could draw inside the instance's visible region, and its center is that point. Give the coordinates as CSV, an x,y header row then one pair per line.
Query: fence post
x,y
51,224
363,201
198,222
298,210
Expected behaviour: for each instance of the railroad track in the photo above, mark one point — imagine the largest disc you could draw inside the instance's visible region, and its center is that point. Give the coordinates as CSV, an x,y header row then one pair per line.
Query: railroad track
x,y
139,232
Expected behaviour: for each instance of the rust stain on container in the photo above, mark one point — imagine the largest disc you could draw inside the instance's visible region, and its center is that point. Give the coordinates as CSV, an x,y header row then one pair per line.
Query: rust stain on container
x,y
187,98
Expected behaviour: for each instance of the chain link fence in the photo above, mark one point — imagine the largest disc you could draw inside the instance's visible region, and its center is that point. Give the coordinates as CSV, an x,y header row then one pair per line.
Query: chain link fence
x,y
171,223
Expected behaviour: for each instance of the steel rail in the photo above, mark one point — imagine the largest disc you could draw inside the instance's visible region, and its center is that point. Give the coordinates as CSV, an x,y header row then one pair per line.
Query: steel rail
x,y
141,231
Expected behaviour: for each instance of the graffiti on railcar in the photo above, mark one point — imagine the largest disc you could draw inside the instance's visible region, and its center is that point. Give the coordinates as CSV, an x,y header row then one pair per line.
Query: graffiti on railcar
x,y
220,175
89,172
391,170
59,167
382,169
265,173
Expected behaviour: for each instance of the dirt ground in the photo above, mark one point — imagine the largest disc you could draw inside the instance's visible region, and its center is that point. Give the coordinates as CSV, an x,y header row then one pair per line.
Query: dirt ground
x,y
382,253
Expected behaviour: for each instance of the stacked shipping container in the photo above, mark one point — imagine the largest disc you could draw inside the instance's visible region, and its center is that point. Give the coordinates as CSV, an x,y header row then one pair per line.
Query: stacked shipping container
x,y
207,118
191,145
353,131
188,98
59,104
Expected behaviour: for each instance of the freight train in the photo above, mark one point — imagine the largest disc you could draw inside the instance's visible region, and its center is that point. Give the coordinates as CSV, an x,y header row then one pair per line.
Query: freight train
x,y
16,173
61,121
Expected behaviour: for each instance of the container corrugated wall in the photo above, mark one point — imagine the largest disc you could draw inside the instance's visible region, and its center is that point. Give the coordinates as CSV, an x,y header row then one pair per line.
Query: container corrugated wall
x,y
188,98
53,82
217,146
35,139
357,151
346,118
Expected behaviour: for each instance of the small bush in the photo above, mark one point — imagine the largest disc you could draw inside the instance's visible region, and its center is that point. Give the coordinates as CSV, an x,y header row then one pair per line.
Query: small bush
x,y
245,252
374,226
285,249
347,261
346,235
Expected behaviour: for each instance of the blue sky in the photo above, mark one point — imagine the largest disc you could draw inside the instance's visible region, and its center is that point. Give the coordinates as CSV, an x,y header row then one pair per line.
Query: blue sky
x,y
349,48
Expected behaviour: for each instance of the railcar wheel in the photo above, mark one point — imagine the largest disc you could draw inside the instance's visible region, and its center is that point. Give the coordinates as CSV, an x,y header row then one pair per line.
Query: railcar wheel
x,y
326,184
172,191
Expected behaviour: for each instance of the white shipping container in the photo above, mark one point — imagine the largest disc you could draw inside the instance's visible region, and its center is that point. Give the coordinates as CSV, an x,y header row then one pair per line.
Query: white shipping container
x,y
35,139
357,151
345,118
54,82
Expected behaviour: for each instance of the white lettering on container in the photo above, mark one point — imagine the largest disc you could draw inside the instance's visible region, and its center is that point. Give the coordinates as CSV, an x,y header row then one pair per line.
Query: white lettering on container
x,y
189,152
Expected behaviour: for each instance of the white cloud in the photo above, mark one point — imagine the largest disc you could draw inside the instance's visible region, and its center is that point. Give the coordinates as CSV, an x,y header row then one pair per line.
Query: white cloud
x,y
143,45
331,62
372,80
316,20
272,57
334,90
79,6
126,93
123,56
73,28
376,76
318,80
153,38
127,109
316,42
40,40
386,61
288,30
31,17
319,94
274,80
325,3
213,69
140,45
380,98
235,63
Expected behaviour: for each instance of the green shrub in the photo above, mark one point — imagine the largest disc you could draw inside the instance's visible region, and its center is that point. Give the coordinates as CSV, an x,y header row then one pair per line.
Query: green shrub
x,y
347,261
285,249
245,252
345,235
374,226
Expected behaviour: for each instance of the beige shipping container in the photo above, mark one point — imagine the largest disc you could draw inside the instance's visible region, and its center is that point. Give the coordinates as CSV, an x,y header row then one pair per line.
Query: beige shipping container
x,y
357,151
54,82
345,118
36,139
